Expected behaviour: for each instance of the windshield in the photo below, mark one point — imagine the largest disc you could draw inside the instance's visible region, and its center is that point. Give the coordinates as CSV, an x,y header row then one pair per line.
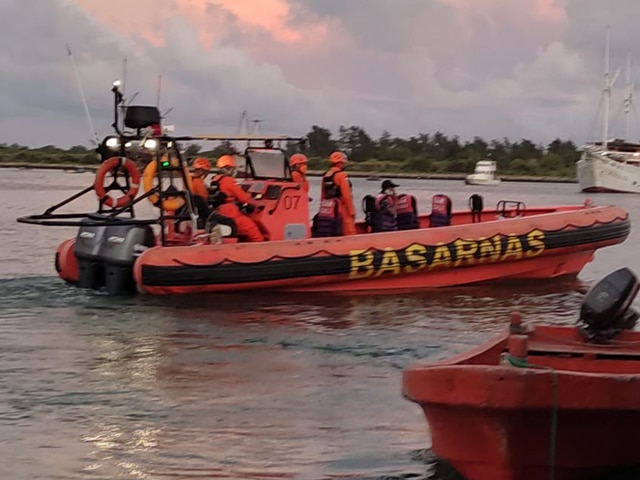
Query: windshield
x,y
268,163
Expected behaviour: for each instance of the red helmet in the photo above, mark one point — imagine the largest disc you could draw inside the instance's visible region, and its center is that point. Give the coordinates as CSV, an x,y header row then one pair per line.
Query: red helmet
x,y
337,157
298,159
226,161
202,163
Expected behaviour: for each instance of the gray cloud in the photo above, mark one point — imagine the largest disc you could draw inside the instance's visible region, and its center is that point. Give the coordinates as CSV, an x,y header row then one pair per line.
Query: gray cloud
x,y
407,67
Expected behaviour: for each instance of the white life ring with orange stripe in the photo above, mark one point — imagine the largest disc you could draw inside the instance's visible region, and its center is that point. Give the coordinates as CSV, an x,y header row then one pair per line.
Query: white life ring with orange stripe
x,y
113,165
170,204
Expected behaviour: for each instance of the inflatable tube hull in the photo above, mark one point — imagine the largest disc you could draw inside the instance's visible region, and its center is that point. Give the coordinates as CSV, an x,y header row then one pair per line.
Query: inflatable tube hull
x,y
66,263
544,244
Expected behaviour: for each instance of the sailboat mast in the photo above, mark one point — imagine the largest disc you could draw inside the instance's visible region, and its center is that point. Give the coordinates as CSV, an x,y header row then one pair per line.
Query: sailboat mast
x,y
607,91
628,100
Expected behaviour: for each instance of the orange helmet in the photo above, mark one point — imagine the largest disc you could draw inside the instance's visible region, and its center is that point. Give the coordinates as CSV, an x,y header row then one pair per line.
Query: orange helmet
x,y
202,163
337,157
298,159
226,161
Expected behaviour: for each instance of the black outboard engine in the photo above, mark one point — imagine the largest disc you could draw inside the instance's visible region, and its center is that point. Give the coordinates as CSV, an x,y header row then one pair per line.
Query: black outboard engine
x,y
122,244
89,241
606,308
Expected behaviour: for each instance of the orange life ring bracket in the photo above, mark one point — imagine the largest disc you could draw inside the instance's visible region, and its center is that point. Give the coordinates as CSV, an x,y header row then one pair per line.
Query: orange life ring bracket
x,y
114,165
170,204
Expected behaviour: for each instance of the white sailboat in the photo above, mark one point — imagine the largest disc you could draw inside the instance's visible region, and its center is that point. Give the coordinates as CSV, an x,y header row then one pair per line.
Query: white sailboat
x,y
611,165
484,174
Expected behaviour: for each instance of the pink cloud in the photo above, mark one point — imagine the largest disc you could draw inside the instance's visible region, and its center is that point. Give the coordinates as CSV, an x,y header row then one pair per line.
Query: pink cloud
x,y
212,20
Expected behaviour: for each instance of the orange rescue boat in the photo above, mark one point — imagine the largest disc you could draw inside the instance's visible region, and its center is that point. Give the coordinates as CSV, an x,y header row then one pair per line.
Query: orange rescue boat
x,y
542,242
191,248
541,402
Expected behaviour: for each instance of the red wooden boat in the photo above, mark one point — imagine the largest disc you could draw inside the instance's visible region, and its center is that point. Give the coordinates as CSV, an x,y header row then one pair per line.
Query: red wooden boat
x,y
541,402
177,252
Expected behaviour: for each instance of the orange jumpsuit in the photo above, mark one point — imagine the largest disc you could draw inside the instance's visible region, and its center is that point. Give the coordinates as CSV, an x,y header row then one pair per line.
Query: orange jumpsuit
x,y
347,209
300,178
245,225
199,188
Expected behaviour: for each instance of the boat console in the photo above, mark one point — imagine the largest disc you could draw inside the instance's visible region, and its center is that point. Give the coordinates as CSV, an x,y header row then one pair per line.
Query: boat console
x,y
606,309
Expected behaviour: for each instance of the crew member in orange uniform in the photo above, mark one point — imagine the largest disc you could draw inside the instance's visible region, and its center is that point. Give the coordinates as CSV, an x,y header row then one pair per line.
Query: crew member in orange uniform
x,y
201,168
298,164
336,184
231,195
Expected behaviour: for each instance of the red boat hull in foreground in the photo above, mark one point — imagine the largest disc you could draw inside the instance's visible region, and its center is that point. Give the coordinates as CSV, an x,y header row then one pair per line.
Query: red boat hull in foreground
x,y
570,406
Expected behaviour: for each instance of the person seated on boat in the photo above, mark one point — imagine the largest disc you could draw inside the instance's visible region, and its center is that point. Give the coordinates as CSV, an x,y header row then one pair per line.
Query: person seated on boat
x,y
391,211
298,165
384,219
232,201
199,190
336,186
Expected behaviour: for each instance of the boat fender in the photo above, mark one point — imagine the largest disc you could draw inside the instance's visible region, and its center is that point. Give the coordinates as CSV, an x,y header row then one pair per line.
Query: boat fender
x,y
114,165
518,346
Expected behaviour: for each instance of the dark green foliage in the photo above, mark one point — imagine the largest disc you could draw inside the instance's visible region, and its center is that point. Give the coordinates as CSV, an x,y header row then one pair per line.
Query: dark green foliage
x,y
423,153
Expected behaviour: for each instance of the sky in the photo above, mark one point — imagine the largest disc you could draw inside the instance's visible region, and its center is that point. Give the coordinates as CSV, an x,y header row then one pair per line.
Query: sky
x,y
529,69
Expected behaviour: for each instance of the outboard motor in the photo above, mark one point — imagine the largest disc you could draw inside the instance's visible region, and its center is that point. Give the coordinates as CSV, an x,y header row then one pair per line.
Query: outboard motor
x,y
122,244
88,244
606,308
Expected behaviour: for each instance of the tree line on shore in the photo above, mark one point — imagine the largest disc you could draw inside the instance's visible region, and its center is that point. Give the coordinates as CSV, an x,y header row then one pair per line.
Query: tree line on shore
x,y
423,153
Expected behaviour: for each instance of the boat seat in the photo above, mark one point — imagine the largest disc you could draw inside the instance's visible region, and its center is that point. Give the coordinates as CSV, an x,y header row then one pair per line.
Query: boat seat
x,y
440,211
407,212
476,205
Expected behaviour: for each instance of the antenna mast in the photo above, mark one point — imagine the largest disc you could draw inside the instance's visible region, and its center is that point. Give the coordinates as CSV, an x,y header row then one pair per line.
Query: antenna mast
x,y
607,90
84,100
629,99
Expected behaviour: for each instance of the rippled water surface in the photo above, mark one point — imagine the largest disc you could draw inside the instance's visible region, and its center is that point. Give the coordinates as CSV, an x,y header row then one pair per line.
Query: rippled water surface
x,y
236,386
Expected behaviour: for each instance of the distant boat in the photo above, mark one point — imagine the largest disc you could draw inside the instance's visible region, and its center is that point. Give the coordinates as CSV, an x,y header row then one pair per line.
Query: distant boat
x,y
484,174
611,165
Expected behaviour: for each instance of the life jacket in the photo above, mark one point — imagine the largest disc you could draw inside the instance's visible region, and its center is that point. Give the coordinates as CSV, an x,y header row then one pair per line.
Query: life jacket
x,y
216,196
384,219
330,188
327,222
440,211
407,212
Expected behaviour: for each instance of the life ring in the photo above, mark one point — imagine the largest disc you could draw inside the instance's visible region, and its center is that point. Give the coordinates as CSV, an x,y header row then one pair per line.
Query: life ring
x,y
114,164
170,204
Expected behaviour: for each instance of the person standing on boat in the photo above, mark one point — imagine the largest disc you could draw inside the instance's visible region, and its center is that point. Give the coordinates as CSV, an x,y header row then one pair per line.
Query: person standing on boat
x,y
298,164
201,168
336,184
199,190
229,195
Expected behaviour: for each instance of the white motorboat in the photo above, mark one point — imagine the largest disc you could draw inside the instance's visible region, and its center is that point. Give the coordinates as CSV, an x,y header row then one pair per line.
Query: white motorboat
x,y
484,174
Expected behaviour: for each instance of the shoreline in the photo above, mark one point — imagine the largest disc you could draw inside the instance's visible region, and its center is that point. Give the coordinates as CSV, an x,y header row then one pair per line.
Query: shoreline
x,y
373,176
